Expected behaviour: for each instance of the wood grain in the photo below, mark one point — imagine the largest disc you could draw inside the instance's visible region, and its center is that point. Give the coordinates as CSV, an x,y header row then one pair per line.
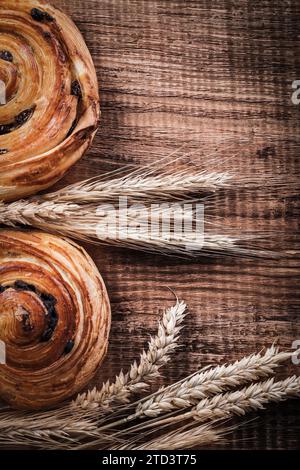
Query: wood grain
x,y
216,77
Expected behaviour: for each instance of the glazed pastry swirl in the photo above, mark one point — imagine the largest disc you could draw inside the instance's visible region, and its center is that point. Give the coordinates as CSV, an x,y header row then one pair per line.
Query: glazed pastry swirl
x,y
54,319
50,111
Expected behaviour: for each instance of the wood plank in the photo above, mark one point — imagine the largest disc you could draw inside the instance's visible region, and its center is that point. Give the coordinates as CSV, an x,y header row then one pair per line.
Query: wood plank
x,y
215,76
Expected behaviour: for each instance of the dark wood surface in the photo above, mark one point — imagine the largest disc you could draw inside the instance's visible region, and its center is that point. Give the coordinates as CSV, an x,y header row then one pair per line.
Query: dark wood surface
x,y
215,76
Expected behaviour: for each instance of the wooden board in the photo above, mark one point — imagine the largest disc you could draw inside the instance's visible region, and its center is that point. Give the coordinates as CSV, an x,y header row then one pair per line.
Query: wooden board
x,y
216,77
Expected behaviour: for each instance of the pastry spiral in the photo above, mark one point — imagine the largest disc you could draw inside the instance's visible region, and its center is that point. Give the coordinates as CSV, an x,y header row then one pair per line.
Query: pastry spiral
x,y
50,111
54,319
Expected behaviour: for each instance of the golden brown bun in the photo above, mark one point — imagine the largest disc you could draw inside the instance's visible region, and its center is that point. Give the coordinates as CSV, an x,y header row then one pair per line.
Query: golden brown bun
x,y
52,101
54,319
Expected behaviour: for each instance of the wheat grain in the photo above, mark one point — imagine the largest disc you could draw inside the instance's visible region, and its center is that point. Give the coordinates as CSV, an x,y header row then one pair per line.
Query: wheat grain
x,y
188,393
192,401
215,409
211,382
141,186
179,439
139,376
86,223
49,426
248,399
45,429
81,211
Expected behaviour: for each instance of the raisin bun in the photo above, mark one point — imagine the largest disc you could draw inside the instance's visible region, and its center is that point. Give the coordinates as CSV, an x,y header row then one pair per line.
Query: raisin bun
x,y
54,319
49,101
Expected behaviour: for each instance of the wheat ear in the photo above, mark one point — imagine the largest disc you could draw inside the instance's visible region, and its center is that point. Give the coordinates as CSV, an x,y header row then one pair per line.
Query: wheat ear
x,y
85,223
186,435
187,393
211,382
141,374
141,186
185,438
247,399
45,428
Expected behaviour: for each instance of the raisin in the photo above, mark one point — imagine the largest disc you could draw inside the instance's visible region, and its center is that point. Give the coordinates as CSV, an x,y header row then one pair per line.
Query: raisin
x,y
23,117
2,289
3,151
72,128
47,35
20,119
76,89
53,316
7,56
48,298
53,322
69,347
41,16
49,302
51,310
5,128
21,285
47,335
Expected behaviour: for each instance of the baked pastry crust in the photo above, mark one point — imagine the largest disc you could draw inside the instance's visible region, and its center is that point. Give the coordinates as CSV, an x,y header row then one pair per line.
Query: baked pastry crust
x,y
54,319
52,101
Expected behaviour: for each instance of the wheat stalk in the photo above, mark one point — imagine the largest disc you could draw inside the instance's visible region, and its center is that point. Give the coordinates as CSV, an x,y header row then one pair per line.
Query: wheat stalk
x,y
74,422
90,211
221,406
56,428
196,397
213,381
185,438
215,409
139,376
66,431
141,185
86,223
187,393
250,398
